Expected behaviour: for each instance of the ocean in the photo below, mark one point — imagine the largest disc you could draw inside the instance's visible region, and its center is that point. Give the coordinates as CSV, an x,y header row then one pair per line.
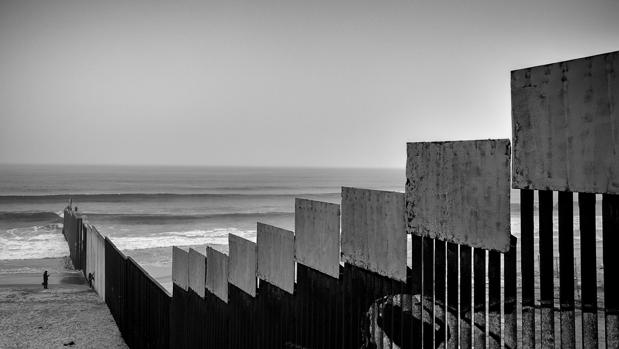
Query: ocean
x,y
146,209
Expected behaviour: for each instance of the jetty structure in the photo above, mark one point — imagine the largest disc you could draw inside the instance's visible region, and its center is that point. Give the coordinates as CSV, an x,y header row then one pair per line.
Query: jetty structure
x,y
341,279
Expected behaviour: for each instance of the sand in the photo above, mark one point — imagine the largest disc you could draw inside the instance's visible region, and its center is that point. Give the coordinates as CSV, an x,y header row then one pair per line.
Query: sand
x,y
67,314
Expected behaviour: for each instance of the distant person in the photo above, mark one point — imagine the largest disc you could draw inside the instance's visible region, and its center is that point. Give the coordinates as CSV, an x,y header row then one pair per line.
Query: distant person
x,y
91,278
45,279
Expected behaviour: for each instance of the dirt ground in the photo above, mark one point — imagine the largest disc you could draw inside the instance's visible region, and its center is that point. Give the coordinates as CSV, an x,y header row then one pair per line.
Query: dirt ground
x,y
66,315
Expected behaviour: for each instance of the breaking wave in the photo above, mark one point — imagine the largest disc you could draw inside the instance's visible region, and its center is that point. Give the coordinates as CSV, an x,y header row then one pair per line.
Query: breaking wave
x,y
187,238
33,242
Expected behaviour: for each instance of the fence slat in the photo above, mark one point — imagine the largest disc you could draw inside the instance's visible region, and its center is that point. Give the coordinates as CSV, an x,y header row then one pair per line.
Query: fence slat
x,y
610,231
588,277
115,283
452,295
527,268
427,294
494,299
546,273
416,307
440,316
178,310
466,314
315,311
566,269
347,305
510,264
242,318
479,298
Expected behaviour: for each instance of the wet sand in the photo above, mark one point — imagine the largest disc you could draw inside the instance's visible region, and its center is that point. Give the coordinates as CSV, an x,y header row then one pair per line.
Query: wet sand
x,y
67,314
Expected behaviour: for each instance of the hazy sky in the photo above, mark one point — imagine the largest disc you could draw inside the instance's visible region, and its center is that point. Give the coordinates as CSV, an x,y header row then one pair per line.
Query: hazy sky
x,y
313,83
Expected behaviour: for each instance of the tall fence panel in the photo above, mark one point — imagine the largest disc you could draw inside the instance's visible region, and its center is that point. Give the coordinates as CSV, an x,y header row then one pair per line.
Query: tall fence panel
x,y
565,130
217,297
73,231
139,304
116,283
179,308
95,259
196,311
242,270
374,275
459,192
457,201
82,245
148,310
275,269
317,249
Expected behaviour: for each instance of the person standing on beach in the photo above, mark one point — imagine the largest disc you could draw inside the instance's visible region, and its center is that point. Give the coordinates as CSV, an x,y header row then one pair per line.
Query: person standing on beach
x,y
45,278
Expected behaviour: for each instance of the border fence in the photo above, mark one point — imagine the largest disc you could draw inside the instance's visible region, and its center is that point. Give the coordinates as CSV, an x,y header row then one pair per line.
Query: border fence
x,y
344,279
139,304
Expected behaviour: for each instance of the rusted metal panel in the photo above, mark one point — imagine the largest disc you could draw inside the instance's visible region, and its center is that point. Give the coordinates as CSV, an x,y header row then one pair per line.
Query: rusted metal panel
x,y
276,256
317,235
374,232
610,235
565,125
243,259
588,271
180,267
217,273
459,192
197,272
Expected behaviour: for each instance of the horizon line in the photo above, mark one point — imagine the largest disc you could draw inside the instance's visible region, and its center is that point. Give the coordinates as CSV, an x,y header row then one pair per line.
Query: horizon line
x,y
201,165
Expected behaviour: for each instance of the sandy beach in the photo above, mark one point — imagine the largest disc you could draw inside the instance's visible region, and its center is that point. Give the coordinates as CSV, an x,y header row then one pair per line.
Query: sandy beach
x,y
67,314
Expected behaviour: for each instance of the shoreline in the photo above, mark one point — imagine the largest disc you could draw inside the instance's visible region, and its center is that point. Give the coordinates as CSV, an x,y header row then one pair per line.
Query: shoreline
x,y
67,313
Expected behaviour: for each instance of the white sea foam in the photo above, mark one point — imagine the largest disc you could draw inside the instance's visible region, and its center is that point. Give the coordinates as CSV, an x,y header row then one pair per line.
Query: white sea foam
x,y
48,241
33,242
187,238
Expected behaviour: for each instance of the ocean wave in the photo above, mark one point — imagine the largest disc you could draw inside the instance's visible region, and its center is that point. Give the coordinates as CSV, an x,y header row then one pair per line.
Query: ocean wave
x,y
41,241
30,216
186,238
128,197
172,218
47,241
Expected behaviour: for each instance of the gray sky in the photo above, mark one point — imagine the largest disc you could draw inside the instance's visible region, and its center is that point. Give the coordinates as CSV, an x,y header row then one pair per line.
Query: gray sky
x,y
312,83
